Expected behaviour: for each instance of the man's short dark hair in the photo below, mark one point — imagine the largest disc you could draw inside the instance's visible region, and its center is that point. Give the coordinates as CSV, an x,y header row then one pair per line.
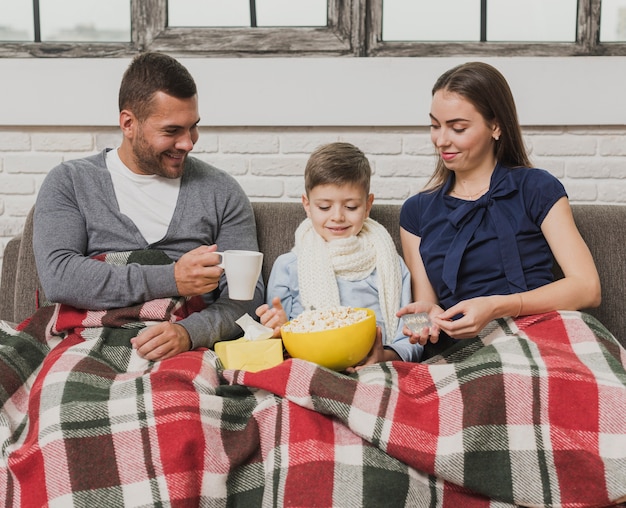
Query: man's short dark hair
x,y
149,73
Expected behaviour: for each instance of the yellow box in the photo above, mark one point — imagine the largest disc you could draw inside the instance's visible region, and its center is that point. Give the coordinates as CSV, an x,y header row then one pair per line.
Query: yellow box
x,y
250,355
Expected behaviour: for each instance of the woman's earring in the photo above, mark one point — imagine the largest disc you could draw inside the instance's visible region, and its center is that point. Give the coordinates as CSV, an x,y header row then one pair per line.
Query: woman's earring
x,y
496,138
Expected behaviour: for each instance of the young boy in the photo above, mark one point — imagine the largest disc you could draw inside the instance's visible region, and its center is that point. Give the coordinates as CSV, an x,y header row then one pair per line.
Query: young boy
x,y
341,256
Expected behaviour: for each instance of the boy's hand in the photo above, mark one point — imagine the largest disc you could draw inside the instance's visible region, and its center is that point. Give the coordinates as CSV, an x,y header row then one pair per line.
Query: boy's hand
x,y
272,317
377,354
161,341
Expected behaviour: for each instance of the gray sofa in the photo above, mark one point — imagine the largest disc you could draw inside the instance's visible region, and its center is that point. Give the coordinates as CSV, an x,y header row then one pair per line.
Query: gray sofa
x,y
602,226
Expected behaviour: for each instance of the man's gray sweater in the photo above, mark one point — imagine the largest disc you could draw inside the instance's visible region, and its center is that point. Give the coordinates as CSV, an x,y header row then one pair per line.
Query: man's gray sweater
x,y
77,217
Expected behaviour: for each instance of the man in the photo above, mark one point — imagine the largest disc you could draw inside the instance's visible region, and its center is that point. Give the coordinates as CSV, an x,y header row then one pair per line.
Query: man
x,y
147,194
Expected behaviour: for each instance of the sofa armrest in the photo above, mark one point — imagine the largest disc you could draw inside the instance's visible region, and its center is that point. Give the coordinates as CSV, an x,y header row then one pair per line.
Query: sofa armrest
x,y
27,286
602,227
9,274
20,288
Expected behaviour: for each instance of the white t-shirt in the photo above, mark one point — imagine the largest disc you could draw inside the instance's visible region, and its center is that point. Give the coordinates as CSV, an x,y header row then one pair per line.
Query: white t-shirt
x,y
148,200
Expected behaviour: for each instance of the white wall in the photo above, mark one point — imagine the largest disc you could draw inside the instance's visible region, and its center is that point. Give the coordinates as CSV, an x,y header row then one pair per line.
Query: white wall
x,y
314,91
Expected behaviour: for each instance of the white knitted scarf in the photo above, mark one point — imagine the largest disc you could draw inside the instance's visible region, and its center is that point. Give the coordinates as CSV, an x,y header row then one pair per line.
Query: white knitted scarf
x,y
353,258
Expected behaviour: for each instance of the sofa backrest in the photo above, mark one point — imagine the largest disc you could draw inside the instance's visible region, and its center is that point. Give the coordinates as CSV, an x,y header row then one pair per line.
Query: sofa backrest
x,y
602,227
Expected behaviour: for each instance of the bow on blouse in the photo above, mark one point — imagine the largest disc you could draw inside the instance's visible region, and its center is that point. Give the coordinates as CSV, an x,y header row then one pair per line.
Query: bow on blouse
x,y
466,219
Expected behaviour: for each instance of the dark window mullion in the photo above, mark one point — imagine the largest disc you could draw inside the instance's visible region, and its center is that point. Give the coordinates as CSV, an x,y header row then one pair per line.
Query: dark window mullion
x,y
37,20
253,14
483,20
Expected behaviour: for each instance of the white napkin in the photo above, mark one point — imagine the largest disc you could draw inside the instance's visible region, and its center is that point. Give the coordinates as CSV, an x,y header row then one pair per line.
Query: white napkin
x,y
253,330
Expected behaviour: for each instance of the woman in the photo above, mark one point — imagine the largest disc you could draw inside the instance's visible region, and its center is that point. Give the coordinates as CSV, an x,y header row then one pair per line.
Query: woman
x,y
480,239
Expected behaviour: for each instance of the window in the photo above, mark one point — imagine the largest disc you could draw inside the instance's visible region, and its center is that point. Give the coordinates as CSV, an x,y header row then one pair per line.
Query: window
x,y
498,28
84,20
258,27
250,13
473,20
613,21
80,21
95,28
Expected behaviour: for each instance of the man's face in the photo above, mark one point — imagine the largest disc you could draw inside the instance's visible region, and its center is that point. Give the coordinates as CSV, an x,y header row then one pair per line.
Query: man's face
x,y
160,143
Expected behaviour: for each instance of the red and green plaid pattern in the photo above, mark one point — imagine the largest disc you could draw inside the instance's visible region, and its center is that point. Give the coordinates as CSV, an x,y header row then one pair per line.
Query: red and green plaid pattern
x,y
530,414
533,414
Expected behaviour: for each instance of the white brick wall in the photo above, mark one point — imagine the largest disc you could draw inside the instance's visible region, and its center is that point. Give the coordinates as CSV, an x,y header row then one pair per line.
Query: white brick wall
x,y
269,162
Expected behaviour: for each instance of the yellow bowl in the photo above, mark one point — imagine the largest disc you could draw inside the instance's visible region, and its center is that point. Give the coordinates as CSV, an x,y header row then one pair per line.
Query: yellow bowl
x,y
336,348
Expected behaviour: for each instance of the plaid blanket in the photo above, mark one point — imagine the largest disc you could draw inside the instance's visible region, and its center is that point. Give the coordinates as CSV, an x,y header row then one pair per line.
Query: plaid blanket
x,y
531,413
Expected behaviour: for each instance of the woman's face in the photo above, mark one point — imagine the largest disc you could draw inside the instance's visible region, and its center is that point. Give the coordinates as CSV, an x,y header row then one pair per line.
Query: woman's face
x,y
461,135
337,211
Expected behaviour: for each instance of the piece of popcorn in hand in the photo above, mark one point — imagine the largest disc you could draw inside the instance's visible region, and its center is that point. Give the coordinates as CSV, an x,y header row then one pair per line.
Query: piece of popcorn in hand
x,y
416,322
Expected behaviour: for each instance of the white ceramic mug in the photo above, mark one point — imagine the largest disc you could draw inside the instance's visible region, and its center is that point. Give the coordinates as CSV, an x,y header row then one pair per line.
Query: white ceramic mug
x,y
242,268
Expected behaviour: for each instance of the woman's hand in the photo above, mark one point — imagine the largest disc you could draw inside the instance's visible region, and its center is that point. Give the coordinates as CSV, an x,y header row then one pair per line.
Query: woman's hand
x,y
474,313
428,333
272,317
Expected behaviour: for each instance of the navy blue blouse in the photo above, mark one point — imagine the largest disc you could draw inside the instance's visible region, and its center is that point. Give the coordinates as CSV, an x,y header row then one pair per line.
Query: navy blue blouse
x,y
490,246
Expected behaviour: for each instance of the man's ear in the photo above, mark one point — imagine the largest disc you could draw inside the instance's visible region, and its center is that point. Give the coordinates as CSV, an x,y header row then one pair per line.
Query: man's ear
x,y
128,121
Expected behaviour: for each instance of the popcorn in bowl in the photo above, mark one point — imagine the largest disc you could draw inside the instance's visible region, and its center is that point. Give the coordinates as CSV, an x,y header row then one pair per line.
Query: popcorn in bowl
x,y
335,338
325,319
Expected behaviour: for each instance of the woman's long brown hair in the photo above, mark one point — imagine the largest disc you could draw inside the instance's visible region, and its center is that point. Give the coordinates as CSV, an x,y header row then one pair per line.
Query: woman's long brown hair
x,y
487,89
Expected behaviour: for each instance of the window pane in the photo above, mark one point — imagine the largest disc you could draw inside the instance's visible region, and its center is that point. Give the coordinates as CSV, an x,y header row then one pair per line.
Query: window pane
x,y
425,20
531,20
613,21
291,12
236,13
16,21
209,13
85,20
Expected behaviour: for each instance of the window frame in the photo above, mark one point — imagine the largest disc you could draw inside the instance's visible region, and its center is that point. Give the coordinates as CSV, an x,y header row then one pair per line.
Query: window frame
x,y
354,29
149,32
587,41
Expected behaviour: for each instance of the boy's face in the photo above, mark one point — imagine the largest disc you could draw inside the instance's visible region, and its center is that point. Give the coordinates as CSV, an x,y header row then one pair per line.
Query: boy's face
x,y
337,211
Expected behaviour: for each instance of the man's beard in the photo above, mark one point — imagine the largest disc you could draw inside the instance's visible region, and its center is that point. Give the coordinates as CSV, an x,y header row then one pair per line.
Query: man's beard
x,y
151,162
